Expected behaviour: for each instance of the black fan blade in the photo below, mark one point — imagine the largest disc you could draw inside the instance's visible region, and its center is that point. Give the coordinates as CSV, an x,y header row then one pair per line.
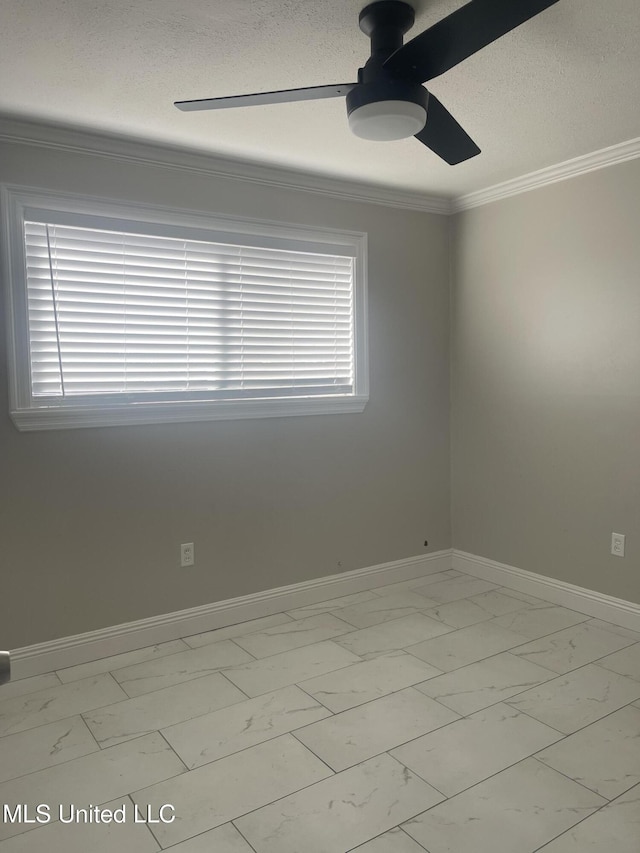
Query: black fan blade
x,y
460,35
284,96
444,136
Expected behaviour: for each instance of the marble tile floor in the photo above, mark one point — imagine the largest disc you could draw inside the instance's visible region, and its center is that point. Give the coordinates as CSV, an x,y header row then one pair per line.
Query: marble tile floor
x,y
443,714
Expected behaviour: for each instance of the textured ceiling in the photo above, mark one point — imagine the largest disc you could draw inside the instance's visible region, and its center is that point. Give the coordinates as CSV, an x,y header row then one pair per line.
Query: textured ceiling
x,y
565,84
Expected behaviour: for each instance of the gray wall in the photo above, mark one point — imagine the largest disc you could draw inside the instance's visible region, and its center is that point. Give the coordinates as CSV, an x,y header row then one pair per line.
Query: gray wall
x,y
91,520
546,380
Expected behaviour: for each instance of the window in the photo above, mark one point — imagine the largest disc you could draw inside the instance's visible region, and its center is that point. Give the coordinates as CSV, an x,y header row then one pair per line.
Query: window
x,y
122,315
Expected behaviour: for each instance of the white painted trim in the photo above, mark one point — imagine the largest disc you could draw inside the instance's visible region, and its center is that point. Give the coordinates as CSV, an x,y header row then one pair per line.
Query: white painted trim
x,y
81,648
551,175
17,203
77,417
135,150
596,604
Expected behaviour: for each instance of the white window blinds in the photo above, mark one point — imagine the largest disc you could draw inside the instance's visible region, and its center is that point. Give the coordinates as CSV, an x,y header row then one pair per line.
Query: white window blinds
x,y
125,316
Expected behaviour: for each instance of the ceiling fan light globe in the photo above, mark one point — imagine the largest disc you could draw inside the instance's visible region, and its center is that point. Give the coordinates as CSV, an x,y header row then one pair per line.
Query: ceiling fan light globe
x,y
383,121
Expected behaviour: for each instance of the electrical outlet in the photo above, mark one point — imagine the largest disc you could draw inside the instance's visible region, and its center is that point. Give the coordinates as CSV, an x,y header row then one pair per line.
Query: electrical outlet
x,y
617,544
187,554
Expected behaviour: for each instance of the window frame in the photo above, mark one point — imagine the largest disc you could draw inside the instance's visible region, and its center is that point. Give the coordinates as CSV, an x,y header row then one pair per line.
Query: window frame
x,y
27,413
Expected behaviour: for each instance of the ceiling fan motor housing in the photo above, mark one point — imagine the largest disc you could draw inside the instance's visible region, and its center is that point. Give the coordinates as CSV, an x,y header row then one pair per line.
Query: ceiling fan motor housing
x,y
387,109
384,107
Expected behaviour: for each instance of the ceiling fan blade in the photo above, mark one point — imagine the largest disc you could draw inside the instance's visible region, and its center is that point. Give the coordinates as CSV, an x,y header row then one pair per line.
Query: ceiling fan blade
x,y
444,136
311,93
460,35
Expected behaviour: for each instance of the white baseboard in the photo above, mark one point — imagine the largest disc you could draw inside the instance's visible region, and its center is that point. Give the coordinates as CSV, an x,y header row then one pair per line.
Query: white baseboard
x,y
81,648
597,604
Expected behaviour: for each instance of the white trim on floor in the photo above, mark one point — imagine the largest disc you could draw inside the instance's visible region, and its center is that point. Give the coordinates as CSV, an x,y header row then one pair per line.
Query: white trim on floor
x,y
596,604
81,648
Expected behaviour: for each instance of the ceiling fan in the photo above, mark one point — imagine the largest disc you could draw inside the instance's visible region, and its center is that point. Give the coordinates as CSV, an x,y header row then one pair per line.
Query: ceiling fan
x,y
388,101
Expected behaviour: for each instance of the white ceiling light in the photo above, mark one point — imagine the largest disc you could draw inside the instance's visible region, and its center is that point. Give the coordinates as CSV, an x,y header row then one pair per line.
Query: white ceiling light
x,y
382,121
387,109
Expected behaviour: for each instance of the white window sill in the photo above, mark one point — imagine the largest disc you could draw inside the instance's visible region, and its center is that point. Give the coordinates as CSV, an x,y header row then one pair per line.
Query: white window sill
x,y
73,417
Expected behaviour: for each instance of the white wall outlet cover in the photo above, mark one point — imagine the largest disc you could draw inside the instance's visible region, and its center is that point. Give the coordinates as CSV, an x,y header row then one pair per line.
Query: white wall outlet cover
x,y
617,544
187,554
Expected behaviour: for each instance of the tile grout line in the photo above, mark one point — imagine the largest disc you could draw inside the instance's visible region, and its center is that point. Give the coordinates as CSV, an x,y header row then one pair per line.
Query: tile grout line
x,y
582,729
593,660
512,649
58,763
448,797
570,828
553,672
113,672
89,729
566,735
245,749
121,654
331,639
412,839
497,773
150,831
232,640
562,734
507,700
177,776
228,680
177,684
368,702
159,732
59,719
328,766
244,838
100,751
381,835
311,785
571,779
142,695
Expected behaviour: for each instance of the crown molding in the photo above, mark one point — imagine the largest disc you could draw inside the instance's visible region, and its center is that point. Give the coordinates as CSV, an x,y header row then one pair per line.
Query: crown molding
x,y
550,175
134,150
